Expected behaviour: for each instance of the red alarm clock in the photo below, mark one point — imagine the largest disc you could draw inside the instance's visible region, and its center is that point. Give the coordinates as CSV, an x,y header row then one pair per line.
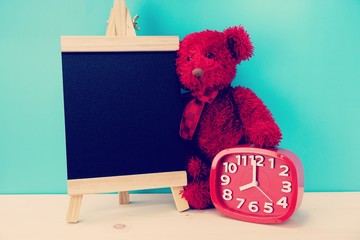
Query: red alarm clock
x,y
257,185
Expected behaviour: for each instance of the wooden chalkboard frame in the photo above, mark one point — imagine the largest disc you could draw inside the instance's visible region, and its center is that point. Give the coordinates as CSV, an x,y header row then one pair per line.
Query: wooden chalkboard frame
x,y
123,41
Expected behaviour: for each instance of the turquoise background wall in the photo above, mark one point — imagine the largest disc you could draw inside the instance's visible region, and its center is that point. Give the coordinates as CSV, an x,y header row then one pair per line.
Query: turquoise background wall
x,y
306,68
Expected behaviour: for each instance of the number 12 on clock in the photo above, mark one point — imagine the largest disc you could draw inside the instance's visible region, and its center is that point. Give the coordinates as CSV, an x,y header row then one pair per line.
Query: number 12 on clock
x,y
257,185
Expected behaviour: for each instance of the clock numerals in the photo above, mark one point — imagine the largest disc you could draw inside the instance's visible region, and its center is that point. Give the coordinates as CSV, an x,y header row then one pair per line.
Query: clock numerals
x,y
259,160
272,163
241,202
286,188
282,202
285,172
244,160
268,207
253,206
227,194
241,160
230,167
225,180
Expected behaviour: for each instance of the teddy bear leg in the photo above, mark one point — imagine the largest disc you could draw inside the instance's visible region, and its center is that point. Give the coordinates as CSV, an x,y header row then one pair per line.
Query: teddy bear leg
x,y
197,192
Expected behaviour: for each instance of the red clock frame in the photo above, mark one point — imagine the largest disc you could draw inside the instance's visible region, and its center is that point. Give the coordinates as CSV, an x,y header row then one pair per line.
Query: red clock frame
x,y
267,189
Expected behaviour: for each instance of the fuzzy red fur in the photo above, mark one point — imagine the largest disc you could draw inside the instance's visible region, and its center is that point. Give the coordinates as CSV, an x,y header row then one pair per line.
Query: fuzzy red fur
x,y
236,116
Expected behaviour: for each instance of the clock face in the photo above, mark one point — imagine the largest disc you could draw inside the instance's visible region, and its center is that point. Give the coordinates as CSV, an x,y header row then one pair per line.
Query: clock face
x,y
256,185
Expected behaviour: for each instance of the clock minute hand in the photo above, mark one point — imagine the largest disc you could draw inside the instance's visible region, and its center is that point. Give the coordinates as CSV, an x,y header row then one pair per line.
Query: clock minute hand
x,y
254,180
254,173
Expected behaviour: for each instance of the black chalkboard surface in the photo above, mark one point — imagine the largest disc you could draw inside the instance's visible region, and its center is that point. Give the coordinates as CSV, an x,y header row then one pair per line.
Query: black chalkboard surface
x,y
122,108
122,113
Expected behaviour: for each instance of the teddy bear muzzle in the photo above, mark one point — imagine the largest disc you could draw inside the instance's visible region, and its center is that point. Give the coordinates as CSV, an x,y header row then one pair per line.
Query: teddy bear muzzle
x,y
198,73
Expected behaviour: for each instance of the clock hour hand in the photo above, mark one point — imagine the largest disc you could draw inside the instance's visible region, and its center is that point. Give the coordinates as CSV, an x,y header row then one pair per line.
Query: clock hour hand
x,y
247,186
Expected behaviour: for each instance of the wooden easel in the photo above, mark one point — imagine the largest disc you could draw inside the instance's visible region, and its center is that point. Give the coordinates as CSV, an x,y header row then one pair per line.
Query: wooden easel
x,y
120,24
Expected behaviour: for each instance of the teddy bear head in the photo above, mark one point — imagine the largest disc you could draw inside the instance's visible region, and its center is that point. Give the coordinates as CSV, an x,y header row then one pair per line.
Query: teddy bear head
x,y
209,58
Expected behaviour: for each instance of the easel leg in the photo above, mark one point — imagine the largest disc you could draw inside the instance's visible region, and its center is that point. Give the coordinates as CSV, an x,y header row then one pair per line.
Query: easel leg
x,y
180,203
74,209
124,197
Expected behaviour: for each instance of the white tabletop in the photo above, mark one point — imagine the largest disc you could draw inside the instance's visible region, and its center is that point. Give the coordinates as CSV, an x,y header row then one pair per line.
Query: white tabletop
x,y
153,216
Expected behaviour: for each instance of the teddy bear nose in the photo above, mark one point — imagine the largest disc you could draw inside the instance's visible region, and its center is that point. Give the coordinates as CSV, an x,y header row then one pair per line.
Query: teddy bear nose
x,y
198,72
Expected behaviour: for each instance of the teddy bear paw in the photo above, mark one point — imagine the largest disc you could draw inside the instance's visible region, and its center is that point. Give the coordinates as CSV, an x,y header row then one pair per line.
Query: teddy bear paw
x,y
196,169
265,134
197,195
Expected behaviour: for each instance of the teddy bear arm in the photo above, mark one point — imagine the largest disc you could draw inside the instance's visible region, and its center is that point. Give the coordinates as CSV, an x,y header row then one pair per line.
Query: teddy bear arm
x,y
259,125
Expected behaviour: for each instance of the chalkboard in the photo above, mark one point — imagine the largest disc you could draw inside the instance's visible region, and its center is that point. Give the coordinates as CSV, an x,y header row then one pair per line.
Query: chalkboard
x,y
122,107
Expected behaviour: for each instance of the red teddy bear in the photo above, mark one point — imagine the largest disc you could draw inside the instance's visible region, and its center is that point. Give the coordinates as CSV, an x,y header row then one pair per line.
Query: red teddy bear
x,y
218,116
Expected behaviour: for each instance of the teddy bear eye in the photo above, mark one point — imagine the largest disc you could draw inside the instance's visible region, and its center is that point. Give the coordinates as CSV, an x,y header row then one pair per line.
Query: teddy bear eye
x,y
210,55
188,58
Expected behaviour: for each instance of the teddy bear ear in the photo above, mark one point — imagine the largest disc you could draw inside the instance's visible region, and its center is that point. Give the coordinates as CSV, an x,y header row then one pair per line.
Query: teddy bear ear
x,y
239,43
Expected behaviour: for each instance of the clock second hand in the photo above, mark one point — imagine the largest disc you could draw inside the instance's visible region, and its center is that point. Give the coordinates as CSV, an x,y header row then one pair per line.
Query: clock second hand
x,y
264,193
